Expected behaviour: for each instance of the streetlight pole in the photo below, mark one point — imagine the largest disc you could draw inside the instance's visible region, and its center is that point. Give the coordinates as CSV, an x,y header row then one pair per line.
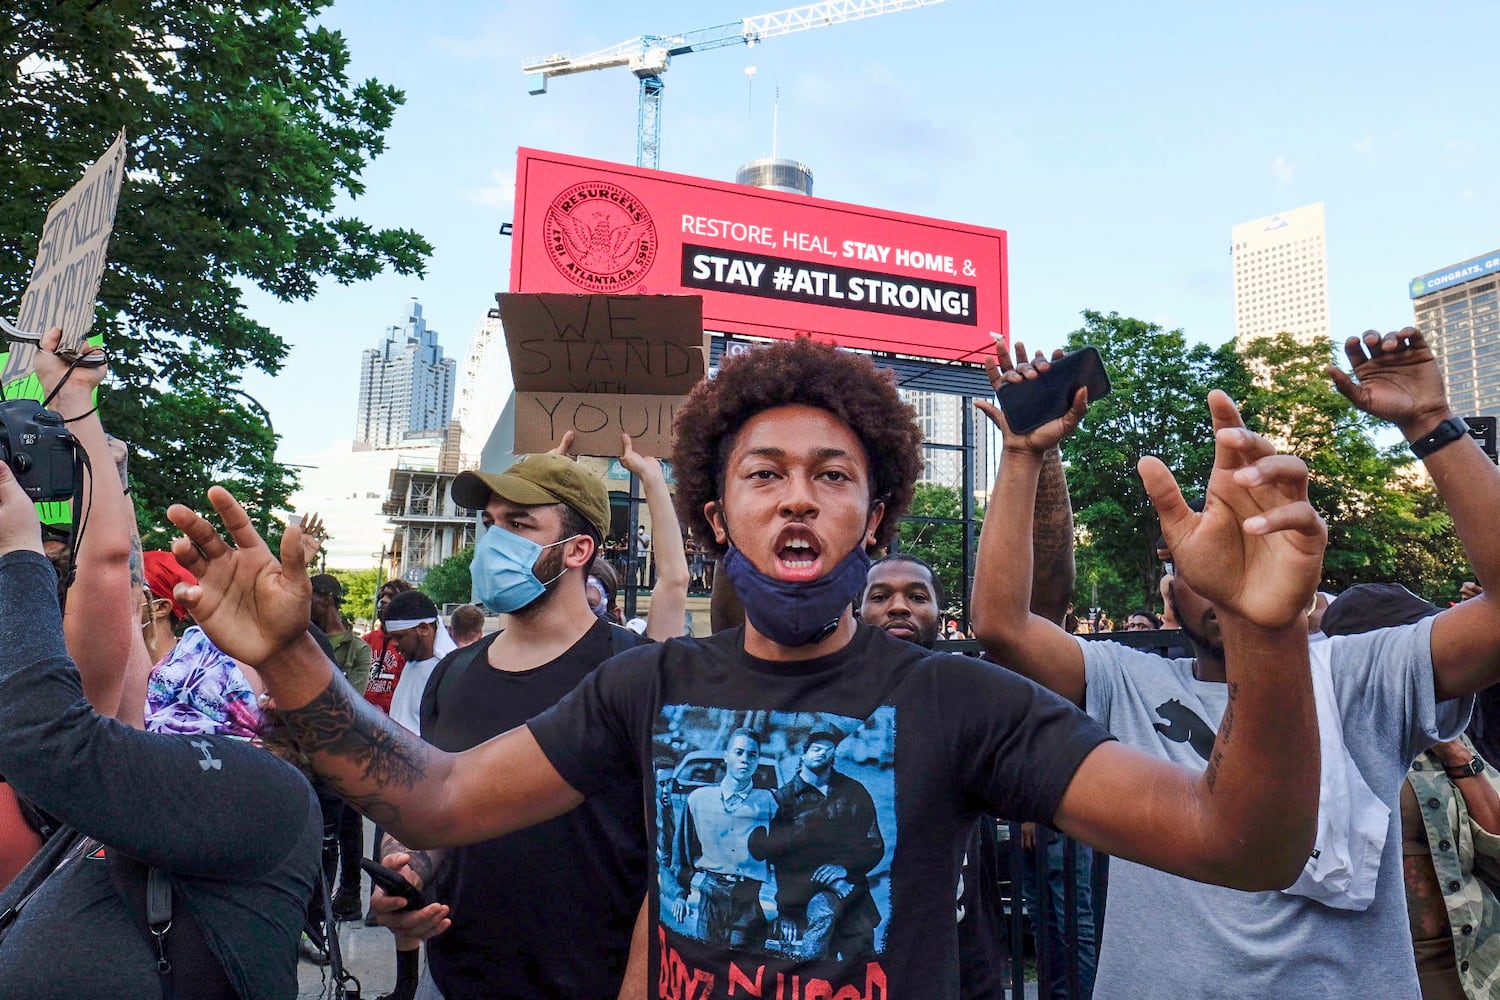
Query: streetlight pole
x,y
265,462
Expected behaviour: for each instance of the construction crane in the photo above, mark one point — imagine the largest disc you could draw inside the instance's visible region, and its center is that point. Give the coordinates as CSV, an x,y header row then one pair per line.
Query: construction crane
x,y
650,55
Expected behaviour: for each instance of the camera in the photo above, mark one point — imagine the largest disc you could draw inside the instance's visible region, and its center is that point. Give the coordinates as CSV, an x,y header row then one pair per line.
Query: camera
x,y
39,449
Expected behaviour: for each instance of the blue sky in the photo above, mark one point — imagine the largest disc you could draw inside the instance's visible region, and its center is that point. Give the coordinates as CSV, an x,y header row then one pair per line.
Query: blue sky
x,y
1117,144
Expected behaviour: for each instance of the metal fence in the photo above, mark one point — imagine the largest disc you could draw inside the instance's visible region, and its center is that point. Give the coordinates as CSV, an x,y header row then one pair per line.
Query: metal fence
x,y
1070,905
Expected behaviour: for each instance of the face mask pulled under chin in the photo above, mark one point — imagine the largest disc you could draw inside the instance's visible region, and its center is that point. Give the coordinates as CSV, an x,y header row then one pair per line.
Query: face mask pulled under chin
x,y
796,614
503,570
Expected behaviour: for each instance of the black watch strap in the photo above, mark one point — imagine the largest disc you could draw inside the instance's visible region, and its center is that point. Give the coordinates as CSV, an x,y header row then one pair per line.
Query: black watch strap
x,y
1442,435
1469,770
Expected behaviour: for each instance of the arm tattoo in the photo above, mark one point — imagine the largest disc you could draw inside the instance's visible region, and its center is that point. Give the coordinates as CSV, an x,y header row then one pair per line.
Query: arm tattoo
x,y
424,863
1052,540
337,723
137,563
1221,741
1425,907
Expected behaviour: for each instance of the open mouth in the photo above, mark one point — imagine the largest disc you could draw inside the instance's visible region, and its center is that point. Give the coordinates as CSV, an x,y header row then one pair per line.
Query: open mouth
x,y
798,557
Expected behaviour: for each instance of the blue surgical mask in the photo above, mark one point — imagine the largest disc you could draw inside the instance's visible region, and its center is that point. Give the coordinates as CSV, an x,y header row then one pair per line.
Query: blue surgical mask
x,y
503,570
796,614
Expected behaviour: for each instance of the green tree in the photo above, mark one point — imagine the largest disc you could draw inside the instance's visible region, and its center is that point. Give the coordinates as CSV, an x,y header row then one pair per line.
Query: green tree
x,y
1100,584
359,592
1156,407
941,541
1384,523
244,132
449,582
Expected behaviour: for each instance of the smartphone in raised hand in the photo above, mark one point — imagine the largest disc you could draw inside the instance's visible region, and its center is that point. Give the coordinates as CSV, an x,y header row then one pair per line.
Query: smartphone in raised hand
x,y
1031,403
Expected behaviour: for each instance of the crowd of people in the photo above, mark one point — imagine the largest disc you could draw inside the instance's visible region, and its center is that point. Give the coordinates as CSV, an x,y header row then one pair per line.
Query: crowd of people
x,y
803,803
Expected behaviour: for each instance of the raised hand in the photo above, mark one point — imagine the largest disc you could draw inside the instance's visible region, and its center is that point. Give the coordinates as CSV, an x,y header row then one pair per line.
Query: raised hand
x,y
312,538
19,528
643,466
250,604
1000,370
52,368
1396,378
564,446
1256,550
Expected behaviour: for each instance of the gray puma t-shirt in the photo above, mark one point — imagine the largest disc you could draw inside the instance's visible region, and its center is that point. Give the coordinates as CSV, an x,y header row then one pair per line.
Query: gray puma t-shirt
x,y
1169,936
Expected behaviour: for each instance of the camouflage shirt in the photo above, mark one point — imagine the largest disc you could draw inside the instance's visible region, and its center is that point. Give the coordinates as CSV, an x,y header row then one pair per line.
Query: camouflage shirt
x,y
1467,861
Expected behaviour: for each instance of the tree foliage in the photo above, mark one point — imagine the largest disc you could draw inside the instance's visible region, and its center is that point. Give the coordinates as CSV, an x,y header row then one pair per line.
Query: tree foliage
x,y
359,592
245,131
449,582
1156,407
1384,522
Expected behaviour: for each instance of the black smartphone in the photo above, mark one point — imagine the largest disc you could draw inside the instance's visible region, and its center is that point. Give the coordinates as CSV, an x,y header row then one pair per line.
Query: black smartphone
x,y
1030,404
395,884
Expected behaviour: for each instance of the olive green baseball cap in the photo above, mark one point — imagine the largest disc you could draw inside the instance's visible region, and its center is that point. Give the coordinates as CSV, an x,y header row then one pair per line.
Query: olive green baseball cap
x,y
535,480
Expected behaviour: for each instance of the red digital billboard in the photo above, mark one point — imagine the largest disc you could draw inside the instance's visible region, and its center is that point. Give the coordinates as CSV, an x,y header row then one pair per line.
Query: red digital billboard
x,y
766,263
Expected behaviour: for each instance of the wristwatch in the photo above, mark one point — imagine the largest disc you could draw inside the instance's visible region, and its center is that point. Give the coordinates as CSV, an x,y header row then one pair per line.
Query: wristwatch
x,y
1442,435
1459,771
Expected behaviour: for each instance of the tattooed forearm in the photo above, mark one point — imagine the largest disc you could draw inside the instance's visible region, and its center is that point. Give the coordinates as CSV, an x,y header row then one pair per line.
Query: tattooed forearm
x,y
137,564
1221,740
340,724
424,863
379,809
1425,908
1052,541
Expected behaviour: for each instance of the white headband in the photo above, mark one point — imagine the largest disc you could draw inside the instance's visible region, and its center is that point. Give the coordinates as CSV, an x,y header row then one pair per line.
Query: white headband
x,y
401,624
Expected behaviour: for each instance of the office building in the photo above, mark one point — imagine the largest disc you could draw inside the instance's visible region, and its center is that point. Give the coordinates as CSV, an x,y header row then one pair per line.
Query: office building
x,y
350,487
405,385
1281,275
485,392
1457,309
940,416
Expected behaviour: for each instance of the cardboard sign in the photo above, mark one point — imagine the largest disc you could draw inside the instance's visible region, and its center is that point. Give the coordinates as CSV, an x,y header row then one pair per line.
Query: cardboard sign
x,y
602,365
70,260
767,263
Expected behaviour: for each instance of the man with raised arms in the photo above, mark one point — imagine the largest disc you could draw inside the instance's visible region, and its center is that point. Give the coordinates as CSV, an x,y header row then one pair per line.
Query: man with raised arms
x,y
794,463
1384,697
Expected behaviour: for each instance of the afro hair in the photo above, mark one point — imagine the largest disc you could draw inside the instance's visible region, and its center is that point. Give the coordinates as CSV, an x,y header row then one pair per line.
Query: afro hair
x,y
788,373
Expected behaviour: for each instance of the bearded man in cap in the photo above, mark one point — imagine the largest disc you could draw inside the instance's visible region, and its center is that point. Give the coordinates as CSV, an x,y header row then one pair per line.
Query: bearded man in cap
x,y
547,911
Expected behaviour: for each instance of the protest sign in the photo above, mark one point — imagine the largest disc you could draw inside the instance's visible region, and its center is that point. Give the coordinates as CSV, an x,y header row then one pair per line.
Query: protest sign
x,y
70,259
767,263
600,365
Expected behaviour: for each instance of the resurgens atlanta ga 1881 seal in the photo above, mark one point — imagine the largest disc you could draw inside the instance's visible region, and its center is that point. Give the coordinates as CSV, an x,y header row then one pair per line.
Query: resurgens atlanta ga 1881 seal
x,y
600,236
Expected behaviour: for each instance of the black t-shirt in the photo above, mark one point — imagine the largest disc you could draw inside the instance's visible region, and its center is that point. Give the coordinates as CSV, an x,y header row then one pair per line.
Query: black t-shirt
x,y
548,911
236,830
935,740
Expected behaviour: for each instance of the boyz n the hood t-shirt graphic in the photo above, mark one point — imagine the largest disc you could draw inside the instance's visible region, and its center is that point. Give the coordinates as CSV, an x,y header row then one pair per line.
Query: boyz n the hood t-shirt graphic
x,y
775,833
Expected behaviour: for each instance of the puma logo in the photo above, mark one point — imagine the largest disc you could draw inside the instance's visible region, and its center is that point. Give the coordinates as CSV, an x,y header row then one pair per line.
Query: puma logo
x,y
209,760
1184,726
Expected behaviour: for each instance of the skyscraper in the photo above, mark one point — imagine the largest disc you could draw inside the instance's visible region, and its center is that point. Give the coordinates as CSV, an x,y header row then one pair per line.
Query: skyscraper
x,y
941,417
1457,309
405,385
1281,275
